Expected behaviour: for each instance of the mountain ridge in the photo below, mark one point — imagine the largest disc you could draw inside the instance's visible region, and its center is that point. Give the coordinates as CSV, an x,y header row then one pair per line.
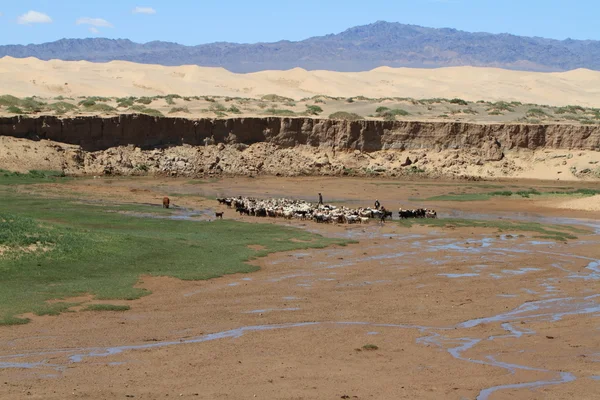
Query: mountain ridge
x,y
359,48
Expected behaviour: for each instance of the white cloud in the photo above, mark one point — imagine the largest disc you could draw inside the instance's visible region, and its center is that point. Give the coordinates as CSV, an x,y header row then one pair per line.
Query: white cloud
x,y
99,22
34,17
144,10
94,30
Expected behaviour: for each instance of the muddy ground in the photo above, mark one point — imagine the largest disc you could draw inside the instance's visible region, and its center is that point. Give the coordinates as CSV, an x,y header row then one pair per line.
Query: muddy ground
x,y
458,313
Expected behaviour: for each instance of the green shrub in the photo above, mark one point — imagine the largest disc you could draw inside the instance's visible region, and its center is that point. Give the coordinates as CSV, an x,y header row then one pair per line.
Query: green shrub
x,y
274,97
349,100
14,110
217,107
125,102
459,102
282,112
183,109
32,105
381,109
152,112
536,112
101,107
62,107
345,115
144,100
313,110
8,100
234,110
87,103
470,111
262,105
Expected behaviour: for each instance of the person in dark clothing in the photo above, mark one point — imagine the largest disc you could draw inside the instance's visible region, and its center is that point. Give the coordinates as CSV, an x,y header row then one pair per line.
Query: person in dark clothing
x,y
320,199
377,204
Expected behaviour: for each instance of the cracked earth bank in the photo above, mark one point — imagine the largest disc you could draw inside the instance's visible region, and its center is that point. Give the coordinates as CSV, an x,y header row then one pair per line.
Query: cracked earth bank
x,y
455,313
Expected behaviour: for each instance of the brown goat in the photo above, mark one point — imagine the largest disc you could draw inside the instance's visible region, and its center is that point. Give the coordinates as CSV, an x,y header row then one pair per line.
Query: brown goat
x,y
166,202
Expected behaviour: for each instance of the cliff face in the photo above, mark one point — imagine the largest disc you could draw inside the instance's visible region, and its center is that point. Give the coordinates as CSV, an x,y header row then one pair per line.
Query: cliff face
x,y
96,133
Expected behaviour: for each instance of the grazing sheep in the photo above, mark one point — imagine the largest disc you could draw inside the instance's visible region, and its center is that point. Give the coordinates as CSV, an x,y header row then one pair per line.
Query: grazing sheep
x,y
166,202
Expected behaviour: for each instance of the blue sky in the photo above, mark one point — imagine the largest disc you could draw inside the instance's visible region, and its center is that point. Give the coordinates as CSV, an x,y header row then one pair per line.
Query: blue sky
x,y
204,21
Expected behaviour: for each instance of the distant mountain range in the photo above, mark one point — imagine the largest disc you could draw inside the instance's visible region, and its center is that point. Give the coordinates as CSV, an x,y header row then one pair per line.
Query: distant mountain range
x,y
356,49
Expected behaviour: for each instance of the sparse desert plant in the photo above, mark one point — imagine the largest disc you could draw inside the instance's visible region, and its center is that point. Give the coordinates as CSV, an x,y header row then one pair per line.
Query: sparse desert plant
x,y
62,107
470,111
370,347
390,114
105,307
14,110
217,107
152,112
313,110
125,102
101,107
495,112
319,101
8,100
209,99
32,105
501,106
459,102
144,100
280,111
234,110
289,104
261,105
345,115
536,112
276,98
349,100
381,109
87,103
182,109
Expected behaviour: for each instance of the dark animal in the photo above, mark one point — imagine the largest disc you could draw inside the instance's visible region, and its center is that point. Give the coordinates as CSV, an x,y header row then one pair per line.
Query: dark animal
x,y
166,202
385,214
219,214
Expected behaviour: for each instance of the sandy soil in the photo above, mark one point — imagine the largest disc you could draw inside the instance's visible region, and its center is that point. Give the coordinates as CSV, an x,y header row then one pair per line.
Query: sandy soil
x,y
71,80
455,313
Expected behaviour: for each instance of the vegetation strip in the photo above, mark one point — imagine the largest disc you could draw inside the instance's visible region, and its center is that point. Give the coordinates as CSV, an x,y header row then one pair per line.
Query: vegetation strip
x,y
58,249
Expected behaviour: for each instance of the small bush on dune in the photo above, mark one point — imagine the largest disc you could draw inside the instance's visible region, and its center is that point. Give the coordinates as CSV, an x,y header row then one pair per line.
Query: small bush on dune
x,y
276,98
144,100
345,115
459,102
87,103
281,112
217,107
381,109
101,107
14,110
125,102
62,107
313,110
8,100
234,110
183,109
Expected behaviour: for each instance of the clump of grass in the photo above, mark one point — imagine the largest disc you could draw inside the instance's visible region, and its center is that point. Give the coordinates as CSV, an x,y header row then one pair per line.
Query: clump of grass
x,y
8,100
345,115
459,102
370,347
313,110
144,100
234,110
276,98
217,107
14,110
87,103
125,102
280,111
182,109
501,106
62,107
101,107
569,110
536,112
54,308
470,111
390,115
152,112
33,176
106,307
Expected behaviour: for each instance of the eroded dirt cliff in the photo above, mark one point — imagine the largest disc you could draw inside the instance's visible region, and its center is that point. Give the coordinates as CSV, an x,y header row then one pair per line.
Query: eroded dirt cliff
x,y
138,144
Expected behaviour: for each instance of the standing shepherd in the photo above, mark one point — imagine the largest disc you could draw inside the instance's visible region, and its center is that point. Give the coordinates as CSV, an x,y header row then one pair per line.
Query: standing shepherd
x,y
377,204
320,199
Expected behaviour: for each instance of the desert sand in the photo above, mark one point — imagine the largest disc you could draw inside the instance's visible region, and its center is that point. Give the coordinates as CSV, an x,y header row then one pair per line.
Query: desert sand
x,y
30,76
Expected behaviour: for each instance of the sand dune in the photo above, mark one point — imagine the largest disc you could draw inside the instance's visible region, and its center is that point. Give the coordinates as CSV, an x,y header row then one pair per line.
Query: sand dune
x,y
30,76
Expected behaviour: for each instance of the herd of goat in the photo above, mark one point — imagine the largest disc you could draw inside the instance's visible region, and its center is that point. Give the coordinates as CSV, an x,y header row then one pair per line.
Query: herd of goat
x,y
322,213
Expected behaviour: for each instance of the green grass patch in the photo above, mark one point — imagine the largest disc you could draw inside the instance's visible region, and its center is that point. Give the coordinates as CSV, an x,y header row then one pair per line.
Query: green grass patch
x,y
54,308
181,109
100,250
33,176
370,347
106,307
